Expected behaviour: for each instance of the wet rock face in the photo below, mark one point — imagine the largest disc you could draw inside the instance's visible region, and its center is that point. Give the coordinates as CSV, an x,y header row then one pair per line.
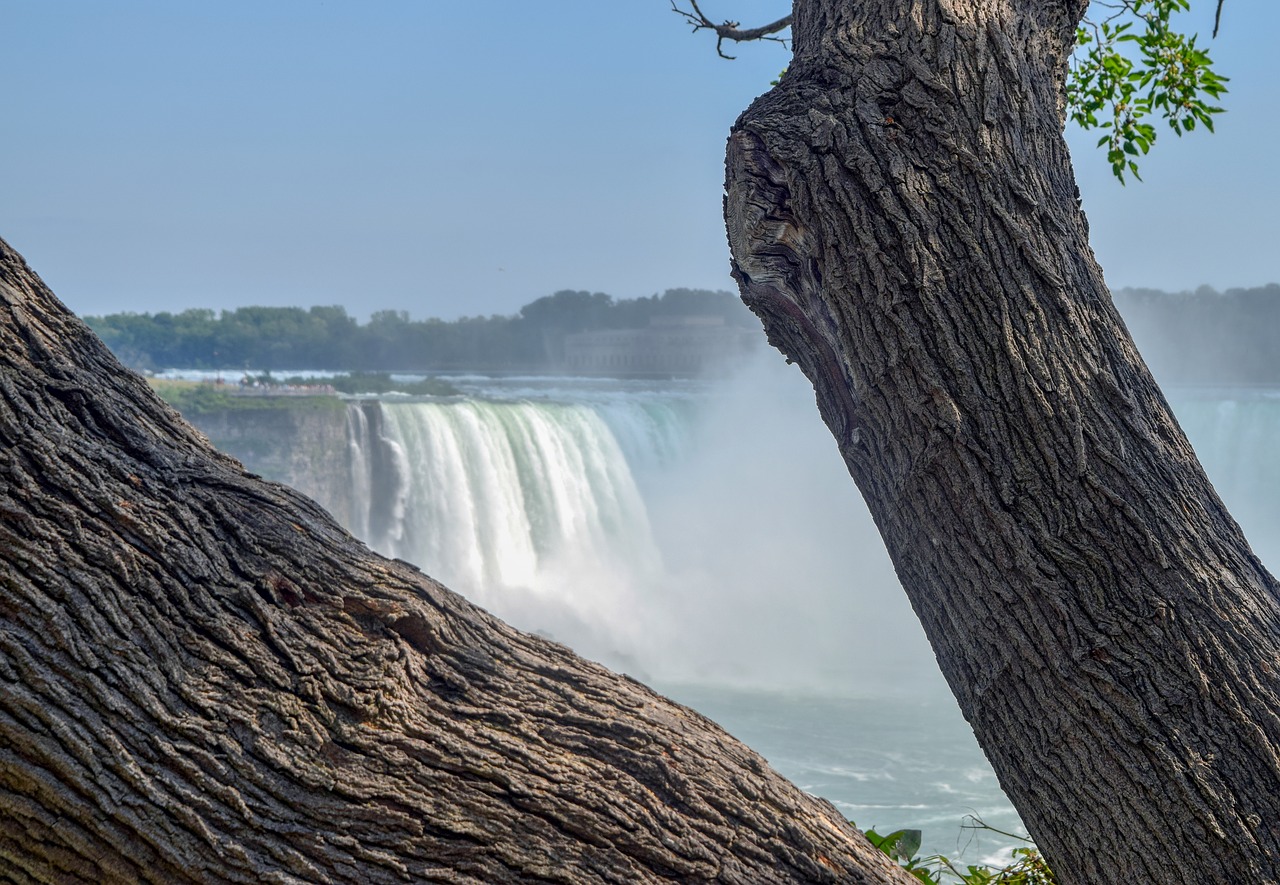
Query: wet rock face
x,y
306,449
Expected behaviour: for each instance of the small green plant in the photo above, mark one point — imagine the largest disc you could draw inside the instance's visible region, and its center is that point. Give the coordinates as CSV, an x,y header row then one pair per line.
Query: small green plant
x,y
1026,868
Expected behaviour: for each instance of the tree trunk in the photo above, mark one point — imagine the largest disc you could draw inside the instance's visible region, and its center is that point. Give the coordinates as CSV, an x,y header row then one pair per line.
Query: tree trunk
x,y
204,679
904,220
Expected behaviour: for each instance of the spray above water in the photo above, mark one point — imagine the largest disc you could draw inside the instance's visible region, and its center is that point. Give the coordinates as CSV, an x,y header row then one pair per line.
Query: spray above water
x,y
690,533
702,533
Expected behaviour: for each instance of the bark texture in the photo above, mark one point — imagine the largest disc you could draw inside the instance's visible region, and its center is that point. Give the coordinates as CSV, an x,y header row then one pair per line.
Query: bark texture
x,y
204,679
904,220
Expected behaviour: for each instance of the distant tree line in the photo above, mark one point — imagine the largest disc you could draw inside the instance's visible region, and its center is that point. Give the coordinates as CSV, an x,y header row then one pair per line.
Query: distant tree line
x,y
1207,336
281,338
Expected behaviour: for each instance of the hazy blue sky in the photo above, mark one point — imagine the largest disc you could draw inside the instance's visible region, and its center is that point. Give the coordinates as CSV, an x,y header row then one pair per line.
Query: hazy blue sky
x,y
460,158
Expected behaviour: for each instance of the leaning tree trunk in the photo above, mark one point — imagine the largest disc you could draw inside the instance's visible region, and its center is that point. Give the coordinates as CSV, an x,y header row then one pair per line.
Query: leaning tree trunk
x,y
204,679
904,220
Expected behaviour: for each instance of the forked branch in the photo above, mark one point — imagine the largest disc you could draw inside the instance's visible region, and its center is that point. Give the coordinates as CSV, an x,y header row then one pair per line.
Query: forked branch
x,y
730,30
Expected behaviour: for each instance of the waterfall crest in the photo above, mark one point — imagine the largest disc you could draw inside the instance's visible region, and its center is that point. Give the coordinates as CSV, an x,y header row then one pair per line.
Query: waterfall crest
x,y
530,509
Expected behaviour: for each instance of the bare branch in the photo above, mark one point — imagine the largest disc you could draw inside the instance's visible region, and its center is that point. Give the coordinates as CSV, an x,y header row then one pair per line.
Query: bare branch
x,y
1217,19
730,30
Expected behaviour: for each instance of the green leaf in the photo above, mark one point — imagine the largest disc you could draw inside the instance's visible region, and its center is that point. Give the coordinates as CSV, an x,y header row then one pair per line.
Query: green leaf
x,y
908,845
1135,67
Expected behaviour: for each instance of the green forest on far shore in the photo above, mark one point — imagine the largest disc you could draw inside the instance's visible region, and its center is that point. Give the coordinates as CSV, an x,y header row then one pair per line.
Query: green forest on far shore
x,y
1206,336
1199,337
282,338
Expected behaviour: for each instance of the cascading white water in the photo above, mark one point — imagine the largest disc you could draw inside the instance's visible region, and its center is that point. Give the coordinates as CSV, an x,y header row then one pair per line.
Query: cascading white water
x,y
694,533
530,509
358,448
1235,433
710,535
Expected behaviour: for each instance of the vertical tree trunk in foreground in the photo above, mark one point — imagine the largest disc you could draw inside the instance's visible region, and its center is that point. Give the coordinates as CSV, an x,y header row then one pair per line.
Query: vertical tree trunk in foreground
x,y
204,679
904,220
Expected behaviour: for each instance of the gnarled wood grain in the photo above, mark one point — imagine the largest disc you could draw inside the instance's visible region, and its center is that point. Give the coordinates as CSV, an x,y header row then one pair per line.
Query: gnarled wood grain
x,y
904,220
204,679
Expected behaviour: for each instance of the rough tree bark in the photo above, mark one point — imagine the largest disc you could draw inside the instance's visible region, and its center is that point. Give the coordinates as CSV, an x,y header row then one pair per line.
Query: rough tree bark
x,y
904,220
204,679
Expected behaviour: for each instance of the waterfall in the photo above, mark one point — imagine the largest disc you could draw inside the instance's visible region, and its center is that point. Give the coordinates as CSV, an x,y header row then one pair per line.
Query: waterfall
x,y
1235,433
530,509
359,446
711,535
676,532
